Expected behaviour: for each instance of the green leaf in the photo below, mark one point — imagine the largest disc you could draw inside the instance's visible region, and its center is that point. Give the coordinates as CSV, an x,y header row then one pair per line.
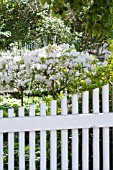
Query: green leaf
x,y
49,2
43,2
111,35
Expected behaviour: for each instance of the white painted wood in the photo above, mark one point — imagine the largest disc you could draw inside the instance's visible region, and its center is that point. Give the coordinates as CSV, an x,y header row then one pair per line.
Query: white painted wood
x,y
64,138
21,143
96,158
85,133
53,140
58,122
1,145
105,108
105,98
32,142
11,144
75,150
43,139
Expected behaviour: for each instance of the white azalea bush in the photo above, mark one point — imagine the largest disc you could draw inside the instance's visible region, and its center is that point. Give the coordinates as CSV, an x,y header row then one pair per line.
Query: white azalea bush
x,y
102,74
52,68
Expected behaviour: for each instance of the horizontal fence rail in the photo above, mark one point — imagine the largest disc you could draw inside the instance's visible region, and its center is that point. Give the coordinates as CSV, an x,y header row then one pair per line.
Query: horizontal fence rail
x,y
65,141
58,122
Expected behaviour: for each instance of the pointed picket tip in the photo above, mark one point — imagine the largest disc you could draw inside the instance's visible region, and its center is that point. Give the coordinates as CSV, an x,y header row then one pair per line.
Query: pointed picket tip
x,y
85,102
1,113
96,90
75,104
105,86
32,110
21,111
53,108
95,100
11,112
105,98
64,108
43,109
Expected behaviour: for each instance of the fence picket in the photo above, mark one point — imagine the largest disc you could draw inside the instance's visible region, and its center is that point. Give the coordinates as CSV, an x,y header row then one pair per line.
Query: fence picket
x,y
64,137
96,131
32,142
75,163
85,133
11,144
1,145
53,141
43,140
105,108
62,122
21,143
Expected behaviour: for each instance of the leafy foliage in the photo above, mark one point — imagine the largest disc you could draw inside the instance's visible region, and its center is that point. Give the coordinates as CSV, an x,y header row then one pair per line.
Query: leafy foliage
x,y
29,21
91,18
20,18
52,30
86,24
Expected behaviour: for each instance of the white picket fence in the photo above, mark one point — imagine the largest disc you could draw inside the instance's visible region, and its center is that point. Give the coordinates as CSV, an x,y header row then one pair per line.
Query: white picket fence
x,y
62,122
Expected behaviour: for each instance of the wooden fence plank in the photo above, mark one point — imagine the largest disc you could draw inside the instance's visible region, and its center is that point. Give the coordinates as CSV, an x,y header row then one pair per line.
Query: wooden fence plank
x,y
75,151
85,133
96,158
105,108
59,122
64,138
53,141
1,144
21,143
32,142
43,140
11,144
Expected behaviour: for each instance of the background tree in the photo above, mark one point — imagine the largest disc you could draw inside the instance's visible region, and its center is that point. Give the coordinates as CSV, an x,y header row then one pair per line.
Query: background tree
x,y
20,18
91,20
30,21
88,21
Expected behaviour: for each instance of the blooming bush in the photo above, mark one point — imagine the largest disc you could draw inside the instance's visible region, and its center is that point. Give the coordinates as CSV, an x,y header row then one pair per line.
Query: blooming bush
x,y
101,74
52,68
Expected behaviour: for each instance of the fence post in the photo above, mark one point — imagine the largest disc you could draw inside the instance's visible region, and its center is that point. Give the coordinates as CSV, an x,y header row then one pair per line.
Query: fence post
x,y
11,144
75,154
43,140
112,131
53,140
85,133
64,137
96,158
105,109
32,142
21,143
1,145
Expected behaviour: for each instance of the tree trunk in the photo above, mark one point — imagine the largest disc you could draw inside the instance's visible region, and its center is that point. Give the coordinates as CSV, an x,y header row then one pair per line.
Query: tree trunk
x,y
53,90
22,95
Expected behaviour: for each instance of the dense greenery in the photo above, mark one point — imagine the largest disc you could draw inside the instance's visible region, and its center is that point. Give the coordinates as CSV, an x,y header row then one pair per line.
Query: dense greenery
x,y
66,33
29,21
86,24
91,19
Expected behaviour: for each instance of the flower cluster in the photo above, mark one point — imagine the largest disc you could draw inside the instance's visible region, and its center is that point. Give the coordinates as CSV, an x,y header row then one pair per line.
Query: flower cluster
x,y
58,65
